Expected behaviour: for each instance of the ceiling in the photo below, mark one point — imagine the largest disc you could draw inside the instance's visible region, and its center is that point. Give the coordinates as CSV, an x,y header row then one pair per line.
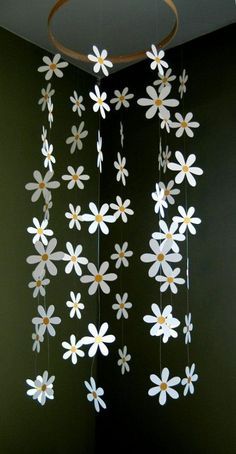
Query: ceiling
x,y
122,27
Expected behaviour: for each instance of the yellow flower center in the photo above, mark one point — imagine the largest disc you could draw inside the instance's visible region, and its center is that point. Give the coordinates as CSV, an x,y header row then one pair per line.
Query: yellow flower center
x,y
37,337
46,321
160,257
122,208
38,283
75,216
44,257
49,156
42,185
184,124
122,305
185,169
75,306
78,103
53,66
98,339
164,80
161,320
163,386
46,96
121,98
100,101
158,102
98,218
157,59
43,388
75,177
121,254
74,258
167,192
189,380
40,231
100,60
187,220
98,278
73,349
168,236
123,360
94,395
170,280
77,136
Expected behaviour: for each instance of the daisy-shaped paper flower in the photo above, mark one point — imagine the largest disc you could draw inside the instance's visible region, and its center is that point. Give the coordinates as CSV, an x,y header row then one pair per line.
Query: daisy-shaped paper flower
x,y
73,349
73,258
38,284
170,281
184,124
40,231
98,218
45,257
169,191
164,386
120,166
121,98
160,257
44,135
157,102
98,278
121,306
163,322
101,63
100,103
123,361
166,121
164,79
77,102
168,234
46,94
186,220
47,151
185,169
121,209
157,59
76,177
37,338
183,80
94,394
166,156
98,339
191,377
52,66
75,305
159,198
121,255
121,134
74,216
188,328
46,321
50,112
41,388
42,185
47,205
160,164
100,153
76,138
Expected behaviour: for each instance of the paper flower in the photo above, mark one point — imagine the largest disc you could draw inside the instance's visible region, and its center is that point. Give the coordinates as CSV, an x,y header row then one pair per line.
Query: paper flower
x,y
74,216
76,177
121,306
38,284
184,124
75,305
46,94
76,139
123,361
121,134
160,164
94,394
100,153
160,257
41,388
191,377
47,151
47,205
120,166
121,255
40,231
98,278
157,59
37,338
42,185
73,349
98,218
169,234
101,64
183,80
185,169
98,339
163,322
46,321
77,102
157,102
121,209
52,67
73,258
44,135
158,197
100,103
186,220
188,328
121,98
170,281
50,112
45,257
164,79
166,121
164,386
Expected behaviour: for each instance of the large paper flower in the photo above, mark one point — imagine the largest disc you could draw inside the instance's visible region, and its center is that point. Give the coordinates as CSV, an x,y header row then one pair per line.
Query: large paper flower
x,y
184,124
157,102
123,360
45,258
185,169
163,322
160,257
52,66
41,388
164,386
191,377
46,321
98,339
76,139
121,209
121,98
73,258
94,394
101,63
42,185
98,218
98,278
186,220
157,58
99,99
76,177
121,306
73,349
77,102
121,255
40,231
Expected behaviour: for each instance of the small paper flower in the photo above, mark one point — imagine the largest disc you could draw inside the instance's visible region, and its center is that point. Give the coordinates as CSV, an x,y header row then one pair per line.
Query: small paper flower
x,y
73,349
45,257
76,139
77,102
47,151
121,255
183,80
169,234
166,121
163,322
123,361
74,216
100,103
98,278
157,59
158,197
50,112
170,281
37,338
98,218
100,153
157,102
160,163
94,394
164,386
46,321
188,328
186,220
160,257
42,185
73,258
121,306
75,305
52,66
76,177
38,284
40,231
184,124
169,191
120,166
98,339
47,205
121,98
101,64
185,169
164,79
41,388
44,135
46,94
121,209
121,134
191,377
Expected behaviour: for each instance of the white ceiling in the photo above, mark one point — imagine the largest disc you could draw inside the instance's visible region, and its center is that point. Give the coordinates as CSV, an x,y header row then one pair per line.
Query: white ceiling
x,y
121,27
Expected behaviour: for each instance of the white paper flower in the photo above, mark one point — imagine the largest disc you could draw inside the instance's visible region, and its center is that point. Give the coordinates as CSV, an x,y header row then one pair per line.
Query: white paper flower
x,y
47,205
46,94
100,153
122,171
47,151
52,66
76,139
157,102
170,281
121,209
164,386
185,169
160,257
44,135
163,322
41,388
166,156
77,102
73,258
121,134
38,284
121,98
121,255
40,231
123,361
191,377
98,218
98,339
73,349
157,59
101,63
183,80
100,103
50,112
75,305
158,197
166,122
37,338
42,185
46,321
74,216
168,234
186,220
188,328
164,79
160,163
94,394
184,124
98,278
45,257
121,306
76,177
169,191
